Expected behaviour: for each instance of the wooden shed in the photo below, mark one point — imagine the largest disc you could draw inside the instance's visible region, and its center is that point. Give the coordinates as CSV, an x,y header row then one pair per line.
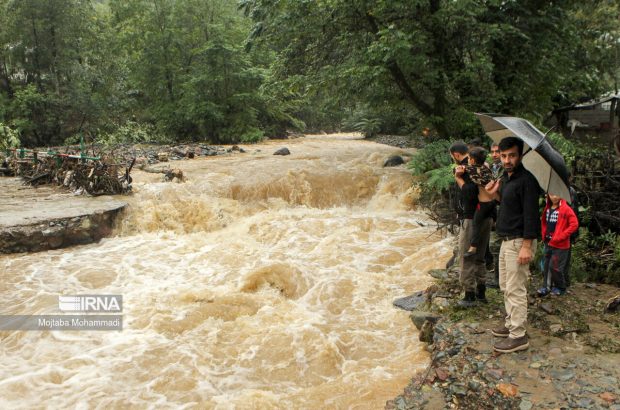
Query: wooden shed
x,y
596,118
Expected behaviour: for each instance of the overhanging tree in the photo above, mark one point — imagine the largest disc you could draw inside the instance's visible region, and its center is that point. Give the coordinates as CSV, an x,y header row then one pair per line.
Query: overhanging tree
x,y
444,58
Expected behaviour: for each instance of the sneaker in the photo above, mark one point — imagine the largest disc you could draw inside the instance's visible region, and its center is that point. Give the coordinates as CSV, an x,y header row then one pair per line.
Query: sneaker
x,y
542,292
510,345
557,292
501,331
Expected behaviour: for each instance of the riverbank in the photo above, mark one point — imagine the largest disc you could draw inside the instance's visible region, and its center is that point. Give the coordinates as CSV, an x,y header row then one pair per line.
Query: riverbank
x,y
573,360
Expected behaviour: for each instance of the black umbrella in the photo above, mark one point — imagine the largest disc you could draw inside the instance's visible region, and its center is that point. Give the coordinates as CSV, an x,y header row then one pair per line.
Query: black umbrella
x,y
540,158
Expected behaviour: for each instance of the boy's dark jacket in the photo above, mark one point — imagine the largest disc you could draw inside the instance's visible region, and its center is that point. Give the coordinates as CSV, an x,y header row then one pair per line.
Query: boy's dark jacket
x,y
566,225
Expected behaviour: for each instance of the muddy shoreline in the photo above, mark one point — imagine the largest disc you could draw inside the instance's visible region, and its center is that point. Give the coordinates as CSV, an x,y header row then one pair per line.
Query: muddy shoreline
x,y
573,360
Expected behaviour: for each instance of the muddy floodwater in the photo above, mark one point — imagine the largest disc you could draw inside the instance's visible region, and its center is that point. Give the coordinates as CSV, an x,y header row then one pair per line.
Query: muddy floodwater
x,y
261,282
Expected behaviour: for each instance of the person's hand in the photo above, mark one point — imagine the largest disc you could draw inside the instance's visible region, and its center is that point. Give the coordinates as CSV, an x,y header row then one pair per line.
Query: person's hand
x,y
459,170
525,255
492,187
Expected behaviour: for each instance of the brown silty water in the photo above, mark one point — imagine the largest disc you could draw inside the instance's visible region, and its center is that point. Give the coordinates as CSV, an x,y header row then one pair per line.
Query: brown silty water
x,y
261,282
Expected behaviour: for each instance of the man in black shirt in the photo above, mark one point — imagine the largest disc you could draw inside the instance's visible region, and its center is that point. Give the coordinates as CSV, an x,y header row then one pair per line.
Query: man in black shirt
x,y
517,226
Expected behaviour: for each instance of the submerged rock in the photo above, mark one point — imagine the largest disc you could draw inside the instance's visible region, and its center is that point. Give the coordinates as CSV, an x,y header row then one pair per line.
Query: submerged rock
x,y
282,151
394,161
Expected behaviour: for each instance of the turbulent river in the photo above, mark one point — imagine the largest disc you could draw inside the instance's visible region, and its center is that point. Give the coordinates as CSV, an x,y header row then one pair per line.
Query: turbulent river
x,y
261,282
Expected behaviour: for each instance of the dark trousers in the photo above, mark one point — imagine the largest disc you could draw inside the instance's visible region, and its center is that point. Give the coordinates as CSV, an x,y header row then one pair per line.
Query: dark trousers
x,y
485,210
473,272
554,268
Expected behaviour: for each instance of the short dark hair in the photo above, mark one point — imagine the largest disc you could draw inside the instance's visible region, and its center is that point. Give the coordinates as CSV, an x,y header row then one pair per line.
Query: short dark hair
x,y
458,146
494,144
479,155
510,142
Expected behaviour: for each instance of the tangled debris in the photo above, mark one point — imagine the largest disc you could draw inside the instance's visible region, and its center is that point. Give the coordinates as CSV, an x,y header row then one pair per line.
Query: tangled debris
x,y
91,174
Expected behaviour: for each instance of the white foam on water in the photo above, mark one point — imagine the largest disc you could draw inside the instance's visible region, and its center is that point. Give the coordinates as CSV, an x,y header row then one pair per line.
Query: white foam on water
x,y
261,282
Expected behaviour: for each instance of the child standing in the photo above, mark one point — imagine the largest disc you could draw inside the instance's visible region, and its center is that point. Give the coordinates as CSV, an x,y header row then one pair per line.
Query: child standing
x,y
559,222
481,175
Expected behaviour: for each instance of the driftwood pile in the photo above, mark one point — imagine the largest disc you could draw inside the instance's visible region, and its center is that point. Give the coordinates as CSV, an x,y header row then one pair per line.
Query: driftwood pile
x,y
92,175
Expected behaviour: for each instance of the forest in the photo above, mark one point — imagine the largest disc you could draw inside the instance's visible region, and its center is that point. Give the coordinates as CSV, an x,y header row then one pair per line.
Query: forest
x,y
125,71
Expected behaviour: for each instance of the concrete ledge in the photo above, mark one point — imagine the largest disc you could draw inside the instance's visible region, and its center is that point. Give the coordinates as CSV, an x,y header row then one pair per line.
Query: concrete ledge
x,y
37,219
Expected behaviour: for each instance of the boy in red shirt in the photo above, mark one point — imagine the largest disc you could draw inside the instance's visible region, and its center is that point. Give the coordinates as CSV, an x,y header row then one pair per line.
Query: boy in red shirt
x,y
559,222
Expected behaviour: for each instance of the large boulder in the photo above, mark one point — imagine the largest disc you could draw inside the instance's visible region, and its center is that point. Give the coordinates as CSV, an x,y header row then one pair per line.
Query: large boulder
x,y
282,151
394,161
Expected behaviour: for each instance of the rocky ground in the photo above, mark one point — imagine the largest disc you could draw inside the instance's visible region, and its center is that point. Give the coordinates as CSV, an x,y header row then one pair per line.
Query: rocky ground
x,y
573,360
401,141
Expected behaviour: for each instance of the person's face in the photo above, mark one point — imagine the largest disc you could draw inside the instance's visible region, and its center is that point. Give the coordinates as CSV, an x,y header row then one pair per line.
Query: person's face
x,y
456,157
554,199
471,161
510,159
495,153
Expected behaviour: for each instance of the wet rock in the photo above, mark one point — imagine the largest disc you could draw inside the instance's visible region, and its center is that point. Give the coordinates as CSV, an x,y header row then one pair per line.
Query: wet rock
x,y
410,302
438,274
495,373
525,405
608,397
547,308
458,389
426,332
583,403
419,317
441,302
536,365
162,156
55,242
507,389
555,328
453,351
394,161
282,151
442,373
593,389
473,385
562,375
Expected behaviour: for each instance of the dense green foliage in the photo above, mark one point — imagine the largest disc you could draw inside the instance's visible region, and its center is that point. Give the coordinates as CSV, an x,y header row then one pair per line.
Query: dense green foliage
x,y
238,70
116,70
433,62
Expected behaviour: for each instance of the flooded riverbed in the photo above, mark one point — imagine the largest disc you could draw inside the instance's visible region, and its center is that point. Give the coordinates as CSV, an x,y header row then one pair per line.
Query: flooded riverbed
x,y
261,282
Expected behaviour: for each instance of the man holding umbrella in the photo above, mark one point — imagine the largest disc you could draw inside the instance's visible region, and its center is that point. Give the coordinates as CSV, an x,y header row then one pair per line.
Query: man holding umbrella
x,y
518,225
530,163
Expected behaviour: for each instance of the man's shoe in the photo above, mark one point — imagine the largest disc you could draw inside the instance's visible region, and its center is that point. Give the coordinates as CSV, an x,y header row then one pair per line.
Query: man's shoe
x,y
492,285
557,292
481,294
469,300
510,345
542,292
501,331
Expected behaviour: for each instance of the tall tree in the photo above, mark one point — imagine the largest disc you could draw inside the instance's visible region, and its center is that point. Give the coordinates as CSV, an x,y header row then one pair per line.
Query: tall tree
x,y
444,58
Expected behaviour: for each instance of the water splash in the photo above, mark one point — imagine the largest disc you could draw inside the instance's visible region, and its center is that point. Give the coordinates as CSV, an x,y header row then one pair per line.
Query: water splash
x,y
261,282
